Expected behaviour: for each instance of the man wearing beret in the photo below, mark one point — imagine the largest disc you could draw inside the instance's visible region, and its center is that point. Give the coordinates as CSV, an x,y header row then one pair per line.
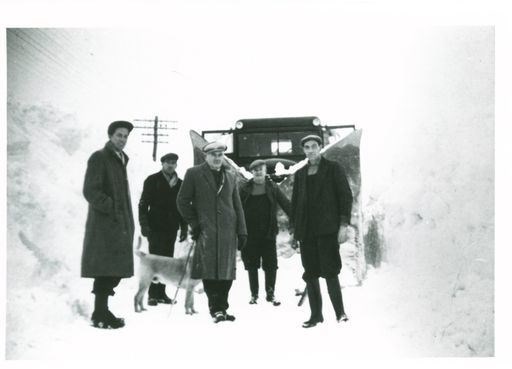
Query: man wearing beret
x,y
160,219
210,203
260,197
108,243
320,215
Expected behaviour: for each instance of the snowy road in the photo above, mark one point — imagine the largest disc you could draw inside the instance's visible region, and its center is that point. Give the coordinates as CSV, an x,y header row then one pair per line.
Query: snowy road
x,y
261,330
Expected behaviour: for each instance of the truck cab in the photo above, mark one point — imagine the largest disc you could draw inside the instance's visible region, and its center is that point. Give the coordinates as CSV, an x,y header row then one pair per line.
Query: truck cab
x,y
273,139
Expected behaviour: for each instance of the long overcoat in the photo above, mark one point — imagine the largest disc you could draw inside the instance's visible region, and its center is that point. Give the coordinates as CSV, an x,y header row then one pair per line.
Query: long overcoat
x,y
108,241
332,200
218,213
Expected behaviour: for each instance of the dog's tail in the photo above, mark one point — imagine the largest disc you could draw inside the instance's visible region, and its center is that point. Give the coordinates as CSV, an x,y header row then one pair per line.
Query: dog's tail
x,y
138,251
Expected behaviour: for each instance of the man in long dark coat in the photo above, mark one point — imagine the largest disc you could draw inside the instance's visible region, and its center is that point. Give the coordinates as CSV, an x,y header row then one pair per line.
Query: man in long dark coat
x,y
160,219
210,203
108,243
321,209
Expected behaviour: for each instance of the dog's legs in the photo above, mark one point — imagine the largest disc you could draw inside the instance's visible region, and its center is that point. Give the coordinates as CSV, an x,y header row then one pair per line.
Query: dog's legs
x,y
189,301
144,282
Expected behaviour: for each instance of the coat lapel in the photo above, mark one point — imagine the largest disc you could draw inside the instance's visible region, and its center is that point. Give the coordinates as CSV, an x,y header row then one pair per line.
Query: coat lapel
x,y
207,174
322,171
110,149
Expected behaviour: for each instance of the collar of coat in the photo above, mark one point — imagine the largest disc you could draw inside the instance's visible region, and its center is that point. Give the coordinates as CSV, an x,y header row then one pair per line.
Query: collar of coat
x,y
322,170
110,148
207,173
168,178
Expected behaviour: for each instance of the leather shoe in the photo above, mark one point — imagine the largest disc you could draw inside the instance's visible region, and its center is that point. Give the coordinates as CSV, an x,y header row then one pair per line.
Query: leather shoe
x,y
312,322
343,318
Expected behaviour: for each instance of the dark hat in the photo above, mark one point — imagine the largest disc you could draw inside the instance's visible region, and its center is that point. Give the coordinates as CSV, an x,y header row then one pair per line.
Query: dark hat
x,y
311,138
169,156
119,124
214,146
257,163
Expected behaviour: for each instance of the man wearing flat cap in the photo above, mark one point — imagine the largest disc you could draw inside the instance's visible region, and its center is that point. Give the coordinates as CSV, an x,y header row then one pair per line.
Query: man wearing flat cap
x,y
260,197
320,215
108,243
160,219
210,203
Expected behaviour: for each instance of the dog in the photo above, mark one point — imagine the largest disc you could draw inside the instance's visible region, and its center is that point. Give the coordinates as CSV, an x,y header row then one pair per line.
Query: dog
x,y
155,268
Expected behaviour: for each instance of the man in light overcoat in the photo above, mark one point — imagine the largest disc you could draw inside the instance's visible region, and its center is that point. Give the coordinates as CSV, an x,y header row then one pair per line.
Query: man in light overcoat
x,y
210,203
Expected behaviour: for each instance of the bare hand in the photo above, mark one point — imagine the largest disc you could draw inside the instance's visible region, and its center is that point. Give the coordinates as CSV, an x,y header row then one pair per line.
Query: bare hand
x,y
343,233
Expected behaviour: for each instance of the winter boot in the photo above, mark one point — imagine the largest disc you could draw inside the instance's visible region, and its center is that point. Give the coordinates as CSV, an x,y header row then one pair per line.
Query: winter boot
x,y
334,289
153,294
164,299
315,304
102,317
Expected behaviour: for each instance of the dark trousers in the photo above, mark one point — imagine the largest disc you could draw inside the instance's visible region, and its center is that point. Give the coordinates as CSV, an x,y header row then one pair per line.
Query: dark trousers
x,y
103,287
217,292
270,282
260,252
161,243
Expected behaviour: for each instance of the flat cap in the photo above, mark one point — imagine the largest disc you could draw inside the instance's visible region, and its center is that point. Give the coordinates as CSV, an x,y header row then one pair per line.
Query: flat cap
x,y
311,138
256,163
119,124
214,146
169,156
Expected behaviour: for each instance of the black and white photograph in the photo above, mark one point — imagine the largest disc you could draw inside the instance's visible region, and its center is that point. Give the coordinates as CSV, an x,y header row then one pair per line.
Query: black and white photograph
x,y
286,182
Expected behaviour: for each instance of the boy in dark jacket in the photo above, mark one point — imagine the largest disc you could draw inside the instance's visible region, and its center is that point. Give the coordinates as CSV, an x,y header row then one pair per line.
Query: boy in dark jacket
x,y
260,197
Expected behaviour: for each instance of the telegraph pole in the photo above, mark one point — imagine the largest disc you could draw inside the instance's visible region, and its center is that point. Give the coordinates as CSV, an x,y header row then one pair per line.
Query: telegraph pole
x,y
156,126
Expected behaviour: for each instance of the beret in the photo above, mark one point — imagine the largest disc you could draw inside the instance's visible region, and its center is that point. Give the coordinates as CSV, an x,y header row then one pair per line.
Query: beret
x,y
311,138
256,163
119,124
214,146
169,156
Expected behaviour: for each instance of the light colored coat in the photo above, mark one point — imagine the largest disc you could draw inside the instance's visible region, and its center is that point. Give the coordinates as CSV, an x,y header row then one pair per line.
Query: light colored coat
x,y
219,215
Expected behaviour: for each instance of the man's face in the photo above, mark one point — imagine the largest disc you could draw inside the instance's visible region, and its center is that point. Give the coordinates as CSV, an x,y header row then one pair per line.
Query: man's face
x,y
214,159
119,138
312,150
169,166
259,173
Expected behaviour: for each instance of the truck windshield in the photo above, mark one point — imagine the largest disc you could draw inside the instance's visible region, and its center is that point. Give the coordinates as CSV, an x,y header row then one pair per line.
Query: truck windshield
x,y
270,144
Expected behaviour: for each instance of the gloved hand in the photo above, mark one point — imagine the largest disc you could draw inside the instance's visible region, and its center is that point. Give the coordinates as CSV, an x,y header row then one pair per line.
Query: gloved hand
x,y
295,244
195,232
242,240
183,236
145,230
